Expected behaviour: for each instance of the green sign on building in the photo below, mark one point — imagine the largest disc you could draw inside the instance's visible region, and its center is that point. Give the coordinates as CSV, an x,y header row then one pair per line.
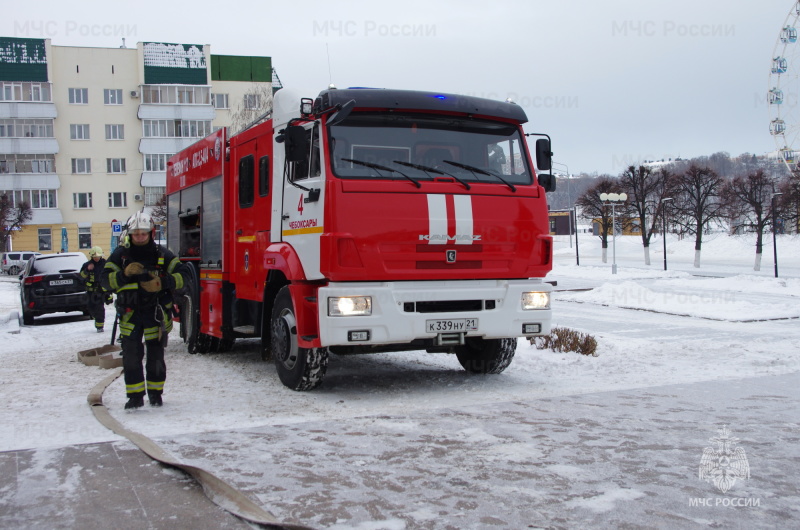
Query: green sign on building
x,y
179,64
23,59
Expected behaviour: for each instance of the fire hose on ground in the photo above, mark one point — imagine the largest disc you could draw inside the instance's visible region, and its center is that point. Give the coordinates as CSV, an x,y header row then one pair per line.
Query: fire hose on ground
x,y
217,490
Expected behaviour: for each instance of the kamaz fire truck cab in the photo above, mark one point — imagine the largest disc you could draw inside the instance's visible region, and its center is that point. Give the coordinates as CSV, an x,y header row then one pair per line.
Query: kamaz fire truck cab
x,y
366,220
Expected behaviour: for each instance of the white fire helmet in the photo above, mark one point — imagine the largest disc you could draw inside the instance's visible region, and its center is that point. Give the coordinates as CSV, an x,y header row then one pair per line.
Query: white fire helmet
x,y
95,251
140,221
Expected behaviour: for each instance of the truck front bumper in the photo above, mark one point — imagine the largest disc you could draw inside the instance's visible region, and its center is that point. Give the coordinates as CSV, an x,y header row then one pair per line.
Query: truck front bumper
x,y
402,312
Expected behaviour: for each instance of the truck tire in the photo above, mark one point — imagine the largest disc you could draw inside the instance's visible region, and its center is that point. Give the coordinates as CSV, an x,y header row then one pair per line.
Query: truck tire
x,y
486,356
189,314
298,368
266,335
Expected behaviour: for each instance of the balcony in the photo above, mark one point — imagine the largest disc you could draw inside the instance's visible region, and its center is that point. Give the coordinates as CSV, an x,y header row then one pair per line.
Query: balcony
x,y
176,112
27,109
165,145
25,181
30,146
153,179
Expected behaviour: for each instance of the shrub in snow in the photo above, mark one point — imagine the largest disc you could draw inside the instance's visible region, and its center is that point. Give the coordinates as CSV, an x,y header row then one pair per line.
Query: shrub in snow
x,y
566,340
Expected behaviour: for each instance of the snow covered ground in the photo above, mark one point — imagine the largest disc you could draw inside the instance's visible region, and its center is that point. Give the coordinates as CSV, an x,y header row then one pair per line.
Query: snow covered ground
x,y
721,321
410,440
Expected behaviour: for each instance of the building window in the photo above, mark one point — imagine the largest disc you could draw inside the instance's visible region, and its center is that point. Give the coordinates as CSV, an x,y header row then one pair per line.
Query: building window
x,y
85,237
118,200
82,200
81,165
79,131
37,199
252,101
79,96
115,132
41,199
27,164
156,162
26,128
112,96
153,194
115,165
24,91
220,101
45,239
176,128
176,94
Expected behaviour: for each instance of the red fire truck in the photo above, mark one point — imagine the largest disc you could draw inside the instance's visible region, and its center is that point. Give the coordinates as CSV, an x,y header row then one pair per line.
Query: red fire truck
x,y
365,220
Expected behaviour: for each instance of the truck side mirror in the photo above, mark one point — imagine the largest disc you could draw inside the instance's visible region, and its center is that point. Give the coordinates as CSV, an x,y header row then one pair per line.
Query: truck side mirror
x,y
544,156
343,113
547,181
296,142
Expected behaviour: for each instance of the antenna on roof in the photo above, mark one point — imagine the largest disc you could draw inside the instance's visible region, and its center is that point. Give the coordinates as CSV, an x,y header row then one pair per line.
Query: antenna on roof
x,y
330,75
123,42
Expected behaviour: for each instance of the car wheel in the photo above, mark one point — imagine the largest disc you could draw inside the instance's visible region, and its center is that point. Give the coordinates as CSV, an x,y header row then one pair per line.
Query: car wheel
x,y
486,356
27,318
13,270
298,368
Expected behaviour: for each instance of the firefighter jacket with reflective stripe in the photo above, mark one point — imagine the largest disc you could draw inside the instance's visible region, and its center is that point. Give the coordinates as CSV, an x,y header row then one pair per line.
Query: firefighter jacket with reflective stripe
x,y
156,261
92,277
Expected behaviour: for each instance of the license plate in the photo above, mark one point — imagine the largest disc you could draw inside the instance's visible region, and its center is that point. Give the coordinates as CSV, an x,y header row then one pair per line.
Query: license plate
x,y
453,325
61,282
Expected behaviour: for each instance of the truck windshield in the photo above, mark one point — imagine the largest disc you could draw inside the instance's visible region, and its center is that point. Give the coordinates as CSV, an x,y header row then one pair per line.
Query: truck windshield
x,y
425,146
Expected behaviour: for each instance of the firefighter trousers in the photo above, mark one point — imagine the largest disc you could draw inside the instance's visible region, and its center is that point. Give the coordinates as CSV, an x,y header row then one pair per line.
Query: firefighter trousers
x,y
97,308
148,324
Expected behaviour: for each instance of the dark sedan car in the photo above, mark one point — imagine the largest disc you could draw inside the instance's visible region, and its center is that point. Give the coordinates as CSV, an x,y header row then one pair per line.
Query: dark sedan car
x,y
51,283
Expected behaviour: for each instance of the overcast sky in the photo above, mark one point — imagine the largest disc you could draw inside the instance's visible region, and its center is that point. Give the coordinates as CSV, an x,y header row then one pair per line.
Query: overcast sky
x,y
614,83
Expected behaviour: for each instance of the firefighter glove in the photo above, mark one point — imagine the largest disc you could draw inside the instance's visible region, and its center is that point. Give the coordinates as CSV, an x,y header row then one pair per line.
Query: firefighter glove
x,y
153,285
134,269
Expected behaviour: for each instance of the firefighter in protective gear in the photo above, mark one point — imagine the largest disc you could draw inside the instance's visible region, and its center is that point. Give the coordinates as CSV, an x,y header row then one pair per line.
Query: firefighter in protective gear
x,y
90,272
143,276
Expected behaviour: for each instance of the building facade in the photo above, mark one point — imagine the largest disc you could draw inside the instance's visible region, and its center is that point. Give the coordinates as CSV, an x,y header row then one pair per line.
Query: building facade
x,y
85,133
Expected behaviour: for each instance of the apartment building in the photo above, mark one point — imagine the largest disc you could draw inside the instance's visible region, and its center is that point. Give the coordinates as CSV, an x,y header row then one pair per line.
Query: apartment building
x,y
85,133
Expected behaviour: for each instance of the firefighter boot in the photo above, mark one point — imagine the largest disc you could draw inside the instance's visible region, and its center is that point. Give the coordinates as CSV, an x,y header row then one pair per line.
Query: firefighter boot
x,y
155,399
134,402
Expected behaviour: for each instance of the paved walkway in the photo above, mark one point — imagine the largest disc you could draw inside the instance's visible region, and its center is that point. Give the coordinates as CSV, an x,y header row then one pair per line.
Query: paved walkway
x,y
604,460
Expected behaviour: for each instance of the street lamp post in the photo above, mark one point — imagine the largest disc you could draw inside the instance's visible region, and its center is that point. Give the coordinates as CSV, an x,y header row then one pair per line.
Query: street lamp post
x,y
774,230
664,236
613,199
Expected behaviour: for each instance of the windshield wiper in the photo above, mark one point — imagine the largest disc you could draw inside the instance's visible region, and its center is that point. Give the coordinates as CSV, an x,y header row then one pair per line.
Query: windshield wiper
x,y
428,169
382,168
474,170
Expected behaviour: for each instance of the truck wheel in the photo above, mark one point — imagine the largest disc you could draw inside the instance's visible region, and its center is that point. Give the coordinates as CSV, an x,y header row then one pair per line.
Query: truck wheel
x,y
189,314
225,344
486,356
298,368
266,336
204,344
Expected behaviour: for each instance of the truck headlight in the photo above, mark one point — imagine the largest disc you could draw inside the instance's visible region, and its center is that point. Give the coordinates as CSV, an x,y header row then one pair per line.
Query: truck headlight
x,y
535,300
350,306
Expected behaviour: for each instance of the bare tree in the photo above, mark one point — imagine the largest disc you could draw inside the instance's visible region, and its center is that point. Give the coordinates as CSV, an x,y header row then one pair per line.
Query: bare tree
x,y
646,190
12,217
159,211
593,208
748,203
696,203
790,202
253,108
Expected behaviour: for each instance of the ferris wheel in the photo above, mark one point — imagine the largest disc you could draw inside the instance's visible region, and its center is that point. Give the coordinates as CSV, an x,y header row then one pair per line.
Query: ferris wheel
x,y
784,92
